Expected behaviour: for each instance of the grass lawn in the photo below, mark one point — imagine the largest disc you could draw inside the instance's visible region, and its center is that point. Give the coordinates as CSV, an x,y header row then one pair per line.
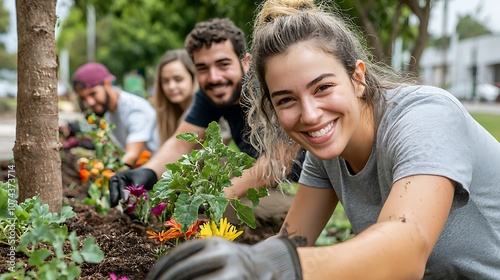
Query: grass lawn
x,y
490,123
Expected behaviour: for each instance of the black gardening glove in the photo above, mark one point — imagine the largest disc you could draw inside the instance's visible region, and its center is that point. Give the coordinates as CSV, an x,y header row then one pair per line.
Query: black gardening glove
x,y
219,259
123,179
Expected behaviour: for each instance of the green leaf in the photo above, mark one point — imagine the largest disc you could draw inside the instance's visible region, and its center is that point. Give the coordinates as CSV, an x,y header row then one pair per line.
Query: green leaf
x,y
66,213
254,195
48,271
99,147
186,210
245,214
213,135
161,191
217,206
90,252
189,137
38,257
94,192
74,241
5,212
77,257
73,271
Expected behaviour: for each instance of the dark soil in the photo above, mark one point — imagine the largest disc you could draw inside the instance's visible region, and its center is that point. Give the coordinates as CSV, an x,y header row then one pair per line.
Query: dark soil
x,y
128,252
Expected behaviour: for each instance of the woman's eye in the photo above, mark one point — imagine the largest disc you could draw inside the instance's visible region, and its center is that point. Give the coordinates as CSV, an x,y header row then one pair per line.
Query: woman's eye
x,y
325,87
284,100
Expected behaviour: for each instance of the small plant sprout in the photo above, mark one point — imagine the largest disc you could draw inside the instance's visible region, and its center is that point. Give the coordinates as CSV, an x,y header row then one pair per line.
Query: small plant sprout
x,y
198,180
42,238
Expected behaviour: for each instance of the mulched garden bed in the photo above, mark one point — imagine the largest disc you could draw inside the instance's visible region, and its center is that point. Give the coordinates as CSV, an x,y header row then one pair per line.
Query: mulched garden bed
x,y
128,252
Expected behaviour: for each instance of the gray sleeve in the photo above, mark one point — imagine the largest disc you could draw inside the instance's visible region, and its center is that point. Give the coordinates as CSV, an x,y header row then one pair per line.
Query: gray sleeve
x,y
313,173
431,137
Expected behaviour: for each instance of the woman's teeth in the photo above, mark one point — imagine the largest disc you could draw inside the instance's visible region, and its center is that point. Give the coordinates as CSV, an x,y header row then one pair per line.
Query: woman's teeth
x,y
321,132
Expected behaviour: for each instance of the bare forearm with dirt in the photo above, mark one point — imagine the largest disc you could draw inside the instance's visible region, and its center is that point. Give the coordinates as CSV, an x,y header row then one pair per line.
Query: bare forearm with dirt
x,y
396,247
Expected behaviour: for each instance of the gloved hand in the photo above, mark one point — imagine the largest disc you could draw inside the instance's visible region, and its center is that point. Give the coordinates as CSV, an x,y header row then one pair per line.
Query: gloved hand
x,y
219,259
123,179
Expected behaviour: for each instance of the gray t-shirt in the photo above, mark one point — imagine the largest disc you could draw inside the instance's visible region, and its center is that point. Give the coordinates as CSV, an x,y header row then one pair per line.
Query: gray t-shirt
x,y
425,130
135,121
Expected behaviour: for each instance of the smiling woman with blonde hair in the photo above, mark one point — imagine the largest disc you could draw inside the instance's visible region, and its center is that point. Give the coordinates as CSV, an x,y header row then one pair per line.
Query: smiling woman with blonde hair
x,y
416,174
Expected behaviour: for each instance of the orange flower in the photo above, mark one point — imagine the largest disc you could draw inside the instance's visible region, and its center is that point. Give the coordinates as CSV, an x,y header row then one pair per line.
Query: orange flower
x,y
176,228
173,224
193,229
143,158
84,174
164,235
173,233
160,236
108,173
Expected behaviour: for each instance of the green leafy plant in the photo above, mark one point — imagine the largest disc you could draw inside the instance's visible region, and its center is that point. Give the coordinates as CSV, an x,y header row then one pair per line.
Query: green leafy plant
x,y
29,228
199,178
98,170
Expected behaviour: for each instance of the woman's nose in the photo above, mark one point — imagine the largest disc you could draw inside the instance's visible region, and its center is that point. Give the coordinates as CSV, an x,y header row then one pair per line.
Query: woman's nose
x,y
310,113
171,84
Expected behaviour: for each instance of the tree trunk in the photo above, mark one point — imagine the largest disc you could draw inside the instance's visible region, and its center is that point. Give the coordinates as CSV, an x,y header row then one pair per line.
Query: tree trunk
x,y
36,151
423,14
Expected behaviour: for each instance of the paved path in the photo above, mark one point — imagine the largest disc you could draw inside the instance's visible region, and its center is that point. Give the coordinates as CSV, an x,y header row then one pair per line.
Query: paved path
x,y
8,131
8,124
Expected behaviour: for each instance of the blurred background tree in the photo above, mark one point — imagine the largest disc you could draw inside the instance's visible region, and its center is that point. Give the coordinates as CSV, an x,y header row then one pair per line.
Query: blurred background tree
x,y
7,60
469,27
133,34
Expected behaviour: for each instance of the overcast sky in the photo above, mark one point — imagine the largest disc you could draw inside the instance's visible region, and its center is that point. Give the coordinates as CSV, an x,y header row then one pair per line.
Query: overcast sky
x,y
486,11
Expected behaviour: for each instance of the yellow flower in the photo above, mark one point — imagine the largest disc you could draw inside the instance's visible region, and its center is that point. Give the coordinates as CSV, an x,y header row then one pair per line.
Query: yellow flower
x,y
91,119
226,230
102,124
94,171
98,182
99,165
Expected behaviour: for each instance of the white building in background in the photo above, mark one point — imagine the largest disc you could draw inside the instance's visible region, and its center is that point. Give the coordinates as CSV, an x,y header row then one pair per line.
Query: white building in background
x,y
480,55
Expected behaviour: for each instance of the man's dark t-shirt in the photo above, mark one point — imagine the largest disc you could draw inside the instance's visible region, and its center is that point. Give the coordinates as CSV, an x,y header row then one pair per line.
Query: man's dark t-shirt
x,y
203,111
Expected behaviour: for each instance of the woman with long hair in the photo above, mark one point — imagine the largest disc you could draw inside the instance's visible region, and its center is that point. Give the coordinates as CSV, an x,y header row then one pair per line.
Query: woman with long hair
x,y
418,177
175,85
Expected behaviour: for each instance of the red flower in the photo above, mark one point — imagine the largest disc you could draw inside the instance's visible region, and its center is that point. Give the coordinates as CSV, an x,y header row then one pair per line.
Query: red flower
x,y
84,173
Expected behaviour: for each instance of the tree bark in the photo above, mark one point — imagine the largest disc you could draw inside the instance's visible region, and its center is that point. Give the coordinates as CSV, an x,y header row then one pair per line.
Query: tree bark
x,y
36,151
423,14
